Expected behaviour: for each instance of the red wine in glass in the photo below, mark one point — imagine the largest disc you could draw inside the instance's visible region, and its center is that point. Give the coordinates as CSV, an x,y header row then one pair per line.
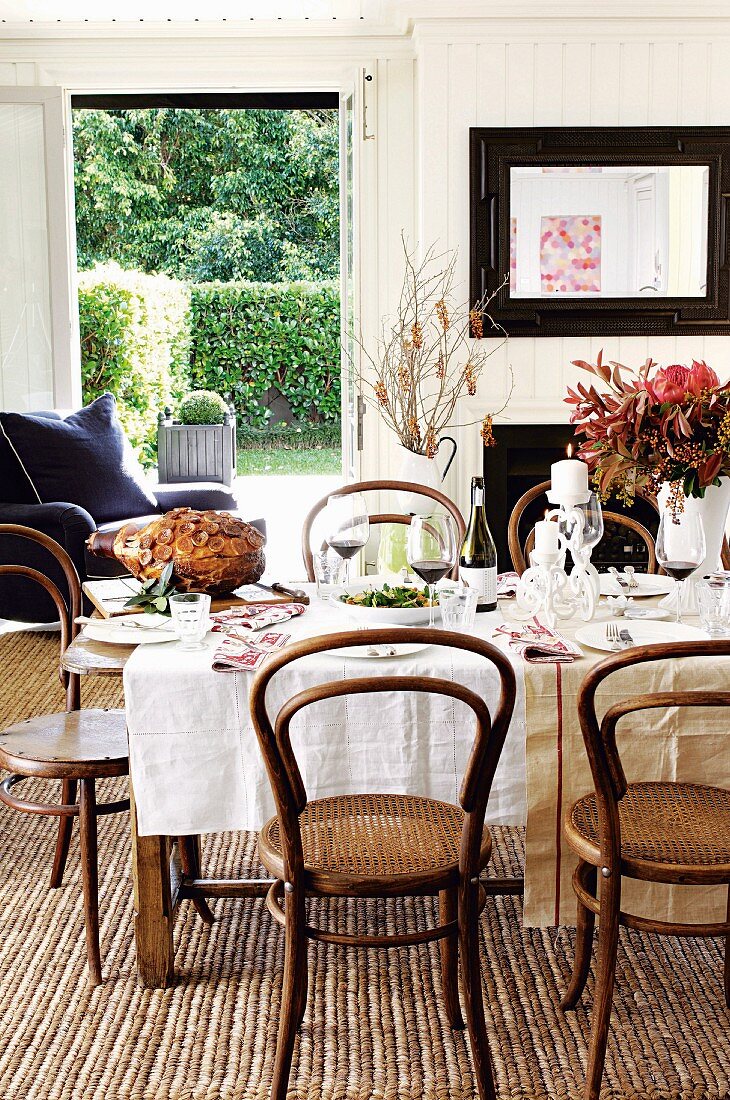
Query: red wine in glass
x,y
346,548
680,548
348,526
431,572
679,570
432,551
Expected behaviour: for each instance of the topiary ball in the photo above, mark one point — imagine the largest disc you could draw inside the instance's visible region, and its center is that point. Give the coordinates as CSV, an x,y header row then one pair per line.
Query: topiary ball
x,y
203,407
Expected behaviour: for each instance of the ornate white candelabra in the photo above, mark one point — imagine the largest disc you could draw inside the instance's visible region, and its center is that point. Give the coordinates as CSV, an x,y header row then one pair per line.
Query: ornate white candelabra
x,y
545,588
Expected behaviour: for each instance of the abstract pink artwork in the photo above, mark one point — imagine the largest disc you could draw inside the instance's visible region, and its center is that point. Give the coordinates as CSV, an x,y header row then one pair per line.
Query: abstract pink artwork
x,y
570,253
513,253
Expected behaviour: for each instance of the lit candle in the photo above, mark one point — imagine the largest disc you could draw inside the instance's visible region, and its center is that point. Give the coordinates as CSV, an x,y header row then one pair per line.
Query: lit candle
x,y
546,537
569,477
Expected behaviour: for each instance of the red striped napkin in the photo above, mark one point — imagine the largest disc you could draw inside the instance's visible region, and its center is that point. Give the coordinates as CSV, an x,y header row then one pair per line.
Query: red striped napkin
x,y
237,653
537,644
255,616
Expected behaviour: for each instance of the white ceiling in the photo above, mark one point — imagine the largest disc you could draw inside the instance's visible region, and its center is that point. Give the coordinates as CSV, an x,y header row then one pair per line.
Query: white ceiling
x,y
185,11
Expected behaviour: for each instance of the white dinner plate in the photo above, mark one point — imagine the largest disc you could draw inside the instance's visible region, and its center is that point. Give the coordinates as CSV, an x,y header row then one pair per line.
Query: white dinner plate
x,y
114,632
402,649
650,584
643,632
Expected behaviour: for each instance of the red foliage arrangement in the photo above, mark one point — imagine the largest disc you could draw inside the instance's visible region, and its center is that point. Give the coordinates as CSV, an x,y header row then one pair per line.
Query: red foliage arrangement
x,y
653,425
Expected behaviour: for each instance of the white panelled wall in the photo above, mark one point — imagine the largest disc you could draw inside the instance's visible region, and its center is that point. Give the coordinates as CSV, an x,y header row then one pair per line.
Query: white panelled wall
x,y
432,80
493,80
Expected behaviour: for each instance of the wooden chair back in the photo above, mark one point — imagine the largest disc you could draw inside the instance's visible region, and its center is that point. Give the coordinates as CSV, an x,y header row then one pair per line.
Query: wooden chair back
x,y
67,612
520,556
388,517
274,739
600,736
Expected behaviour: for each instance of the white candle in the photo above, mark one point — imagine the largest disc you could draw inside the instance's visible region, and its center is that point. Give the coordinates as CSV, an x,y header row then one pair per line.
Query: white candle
x,y
569,477
546,537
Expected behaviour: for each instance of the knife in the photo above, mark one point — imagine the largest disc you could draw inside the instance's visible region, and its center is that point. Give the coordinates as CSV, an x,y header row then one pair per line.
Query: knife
x,y
626,638
616,576
281,590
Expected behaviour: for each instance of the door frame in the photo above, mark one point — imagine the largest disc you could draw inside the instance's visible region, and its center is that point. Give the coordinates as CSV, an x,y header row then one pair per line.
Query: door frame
x,y
61,235
342,89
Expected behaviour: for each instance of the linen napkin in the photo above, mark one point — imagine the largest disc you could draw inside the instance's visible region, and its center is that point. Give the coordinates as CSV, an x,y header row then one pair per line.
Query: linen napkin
x,y
537,644
507,585
255,616
237,653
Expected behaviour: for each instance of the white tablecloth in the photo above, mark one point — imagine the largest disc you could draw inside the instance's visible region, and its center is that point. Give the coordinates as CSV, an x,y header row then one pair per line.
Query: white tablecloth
x,y
195,761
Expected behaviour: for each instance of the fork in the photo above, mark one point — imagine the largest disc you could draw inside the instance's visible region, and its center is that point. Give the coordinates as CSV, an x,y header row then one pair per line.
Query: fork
x,y
629,574
613,636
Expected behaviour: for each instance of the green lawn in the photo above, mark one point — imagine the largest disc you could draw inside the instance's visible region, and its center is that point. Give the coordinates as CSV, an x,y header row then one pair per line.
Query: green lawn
x,y
320,460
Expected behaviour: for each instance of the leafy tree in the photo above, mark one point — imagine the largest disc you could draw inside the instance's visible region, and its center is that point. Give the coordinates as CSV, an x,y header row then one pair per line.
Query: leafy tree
x,y
209,194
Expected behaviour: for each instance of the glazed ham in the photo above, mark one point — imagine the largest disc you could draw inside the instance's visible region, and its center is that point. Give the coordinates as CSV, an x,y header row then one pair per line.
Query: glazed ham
x,y
212,552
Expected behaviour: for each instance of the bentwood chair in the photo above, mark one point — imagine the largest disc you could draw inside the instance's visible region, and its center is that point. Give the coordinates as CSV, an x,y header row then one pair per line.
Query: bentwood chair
x,y
389,517
671,832
521,554
76,746
381,845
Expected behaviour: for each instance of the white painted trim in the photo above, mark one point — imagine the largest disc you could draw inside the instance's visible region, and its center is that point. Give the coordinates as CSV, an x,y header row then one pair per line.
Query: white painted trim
x,y
63,308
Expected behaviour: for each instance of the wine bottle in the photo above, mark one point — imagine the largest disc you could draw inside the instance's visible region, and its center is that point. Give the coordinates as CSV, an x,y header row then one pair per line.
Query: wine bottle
x,y
478,557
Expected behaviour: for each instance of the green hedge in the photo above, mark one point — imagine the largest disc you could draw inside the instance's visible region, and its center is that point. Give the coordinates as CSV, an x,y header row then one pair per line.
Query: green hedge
x,y
252,341
149,340
135,344
290,437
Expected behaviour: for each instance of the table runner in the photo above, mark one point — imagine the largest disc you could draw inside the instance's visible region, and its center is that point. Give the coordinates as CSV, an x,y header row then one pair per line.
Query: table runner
x,y
693,746
195,761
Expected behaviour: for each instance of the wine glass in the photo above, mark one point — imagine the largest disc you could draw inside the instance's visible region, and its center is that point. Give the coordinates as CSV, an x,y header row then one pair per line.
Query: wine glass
x,y
432,551
348,526
592,522
680,548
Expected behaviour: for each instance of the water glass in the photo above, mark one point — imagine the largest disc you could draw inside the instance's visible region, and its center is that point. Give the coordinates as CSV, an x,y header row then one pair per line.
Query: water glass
x,y
458,609
713,604
329,572
190,612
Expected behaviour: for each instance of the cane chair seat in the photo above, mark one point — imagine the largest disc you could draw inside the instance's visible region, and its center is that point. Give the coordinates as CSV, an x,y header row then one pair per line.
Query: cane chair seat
x,y
667,831
63,743
390,842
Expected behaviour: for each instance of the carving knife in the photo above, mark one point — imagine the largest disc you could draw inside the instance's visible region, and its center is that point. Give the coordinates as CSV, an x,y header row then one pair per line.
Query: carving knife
x,y
278,589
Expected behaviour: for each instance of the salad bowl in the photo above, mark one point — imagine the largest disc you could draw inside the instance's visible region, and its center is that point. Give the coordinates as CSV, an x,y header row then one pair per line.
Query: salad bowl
x,y
376,601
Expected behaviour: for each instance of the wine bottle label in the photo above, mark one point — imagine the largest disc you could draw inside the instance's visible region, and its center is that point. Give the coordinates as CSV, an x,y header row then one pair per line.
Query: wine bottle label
x,y
478,495
483,580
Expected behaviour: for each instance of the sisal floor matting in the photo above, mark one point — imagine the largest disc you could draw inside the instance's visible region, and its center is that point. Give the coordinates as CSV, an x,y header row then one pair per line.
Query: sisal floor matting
x,y
374,1026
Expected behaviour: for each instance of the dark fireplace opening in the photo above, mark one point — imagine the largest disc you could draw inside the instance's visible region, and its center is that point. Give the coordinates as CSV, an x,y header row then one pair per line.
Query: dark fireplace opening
x,y
522,458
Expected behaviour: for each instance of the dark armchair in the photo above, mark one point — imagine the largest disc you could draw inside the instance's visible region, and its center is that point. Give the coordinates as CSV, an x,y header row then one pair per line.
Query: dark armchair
x,y
69,525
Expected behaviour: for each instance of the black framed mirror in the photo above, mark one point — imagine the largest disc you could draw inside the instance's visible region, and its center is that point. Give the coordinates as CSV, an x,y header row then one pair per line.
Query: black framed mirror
x,y
602,231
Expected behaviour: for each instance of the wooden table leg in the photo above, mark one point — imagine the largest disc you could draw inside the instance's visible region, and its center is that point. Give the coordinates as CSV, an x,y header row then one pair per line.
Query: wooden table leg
x,y
154,906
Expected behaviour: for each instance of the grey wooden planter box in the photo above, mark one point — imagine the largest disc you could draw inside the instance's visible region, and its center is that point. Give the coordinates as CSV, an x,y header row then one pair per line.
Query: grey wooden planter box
x,y
196,452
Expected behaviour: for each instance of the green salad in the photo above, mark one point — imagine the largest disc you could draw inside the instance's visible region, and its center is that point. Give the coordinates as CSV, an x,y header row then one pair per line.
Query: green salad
x,y
388,596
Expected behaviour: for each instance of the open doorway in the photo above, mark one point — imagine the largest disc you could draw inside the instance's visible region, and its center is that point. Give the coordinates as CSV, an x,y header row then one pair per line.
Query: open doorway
x,y
208,243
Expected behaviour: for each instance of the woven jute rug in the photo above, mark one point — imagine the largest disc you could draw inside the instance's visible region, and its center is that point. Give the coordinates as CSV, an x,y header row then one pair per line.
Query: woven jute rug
x,y
375,1025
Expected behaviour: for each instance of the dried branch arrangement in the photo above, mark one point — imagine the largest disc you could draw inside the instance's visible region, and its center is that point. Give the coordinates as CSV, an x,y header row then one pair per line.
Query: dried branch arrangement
x,y
426,360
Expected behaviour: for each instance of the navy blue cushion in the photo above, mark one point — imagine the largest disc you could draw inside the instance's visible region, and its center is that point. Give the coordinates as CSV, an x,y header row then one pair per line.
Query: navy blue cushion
x,y
84,459
15,485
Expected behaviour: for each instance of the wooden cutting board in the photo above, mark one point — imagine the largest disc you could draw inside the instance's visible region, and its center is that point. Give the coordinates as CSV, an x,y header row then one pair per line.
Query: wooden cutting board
x,y
109,597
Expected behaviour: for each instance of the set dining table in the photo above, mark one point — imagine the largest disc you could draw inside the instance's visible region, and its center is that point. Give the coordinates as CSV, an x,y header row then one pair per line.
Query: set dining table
x,y
196,767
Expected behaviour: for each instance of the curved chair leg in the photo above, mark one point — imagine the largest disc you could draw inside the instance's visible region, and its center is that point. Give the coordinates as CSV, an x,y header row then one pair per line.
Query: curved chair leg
x,y
90,876
727,955
189,850
583,941
449,947
605,977
65,828
472,978
295,976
